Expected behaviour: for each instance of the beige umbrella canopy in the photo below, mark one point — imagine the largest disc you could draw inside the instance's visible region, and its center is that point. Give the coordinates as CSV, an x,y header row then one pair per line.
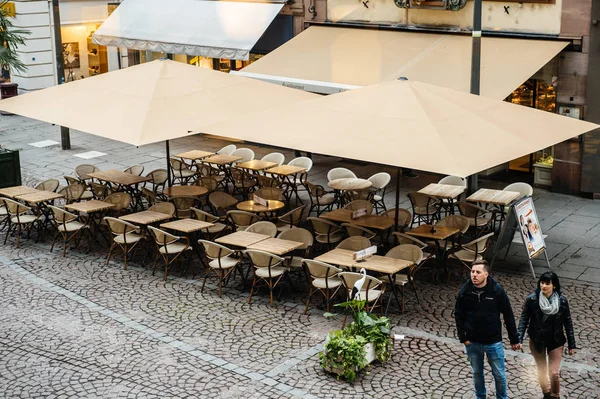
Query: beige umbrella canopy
x,y
151,102
409,124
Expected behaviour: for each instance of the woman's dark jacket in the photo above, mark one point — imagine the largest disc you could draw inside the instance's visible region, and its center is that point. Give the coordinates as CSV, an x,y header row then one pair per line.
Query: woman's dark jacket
x,y
552,327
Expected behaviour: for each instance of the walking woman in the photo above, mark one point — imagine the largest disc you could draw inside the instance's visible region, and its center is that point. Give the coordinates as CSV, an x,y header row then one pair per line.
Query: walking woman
x,y
546,312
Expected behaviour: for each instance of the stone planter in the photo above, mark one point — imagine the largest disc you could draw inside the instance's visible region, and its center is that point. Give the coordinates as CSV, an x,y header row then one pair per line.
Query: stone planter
x,y
542,176
369,354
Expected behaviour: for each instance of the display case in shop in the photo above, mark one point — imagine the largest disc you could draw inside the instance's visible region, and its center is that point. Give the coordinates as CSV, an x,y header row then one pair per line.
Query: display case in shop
x,y
97,57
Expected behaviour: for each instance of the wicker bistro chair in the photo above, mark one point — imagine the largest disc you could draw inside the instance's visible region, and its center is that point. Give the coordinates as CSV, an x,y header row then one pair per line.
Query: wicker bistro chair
x,y
380,182
170,247
299,180
428,251
126,236
360,204
121,202
268,269
159,180
243,182
4,219
163,207
324,279
181,171
326,232
135,170
356,230
340,173
20,218
456,221
227,150
241,220
84,170
266,181
149,196
213,231
263,227
270,193
86,192
410,253
404,217
470,252
371,292
68,227
425,207
355,243
246,153
221,202
447,205
293,261
276,157
291,219
221,262
480,219
48,185
184,205
320,199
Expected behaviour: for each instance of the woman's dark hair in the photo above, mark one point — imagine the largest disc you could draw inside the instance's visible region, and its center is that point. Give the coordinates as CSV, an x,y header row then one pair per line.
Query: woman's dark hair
x,y
549,277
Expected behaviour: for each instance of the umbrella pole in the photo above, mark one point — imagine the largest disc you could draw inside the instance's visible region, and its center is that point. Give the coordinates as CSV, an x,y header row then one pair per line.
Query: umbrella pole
x,y
168,163
397,198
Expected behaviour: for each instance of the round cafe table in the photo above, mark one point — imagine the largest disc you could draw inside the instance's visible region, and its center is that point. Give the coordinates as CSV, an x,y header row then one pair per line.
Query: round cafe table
x,y
185,191
348,184
251,206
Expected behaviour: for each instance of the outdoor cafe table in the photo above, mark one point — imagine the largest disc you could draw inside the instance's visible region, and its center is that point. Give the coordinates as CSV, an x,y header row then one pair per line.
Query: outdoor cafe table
x,y
444,191
348,183
222,162
256,165
194,155
185,191
287,174
40,198
441,233
118,177
11,192
241,239
252,206
90,207
371,221
493,197
188,226
379,264
276,246
145,218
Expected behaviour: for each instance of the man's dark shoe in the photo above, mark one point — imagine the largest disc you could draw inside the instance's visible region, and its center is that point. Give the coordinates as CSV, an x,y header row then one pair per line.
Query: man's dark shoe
x,y
547,395
410,175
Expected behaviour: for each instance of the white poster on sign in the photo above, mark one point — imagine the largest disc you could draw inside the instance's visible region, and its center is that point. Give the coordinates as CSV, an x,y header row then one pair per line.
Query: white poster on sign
x,y
529,227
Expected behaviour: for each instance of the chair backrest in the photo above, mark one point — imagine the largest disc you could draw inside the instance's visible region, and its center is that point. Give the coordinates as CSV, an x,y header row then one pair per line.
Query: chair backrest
x,y
135,170
421,200
456,221
15,208
62,216
350,278
302,162
263,227
246,153
163,207
407,239
221,200
183,205
73,192
120,200
356,230
158,176
323,226
227,150
266,181
404,216
293,217
161,237
149,195
214,250
270,193
360,204
523,188
178,165
120,227
315,191
204,216
263,259
454,181
340,173
407,252
479,245
380,180
48,185
72,180
471,210
276,157
84,169
355,243
318,269
242,219
299,235
208,182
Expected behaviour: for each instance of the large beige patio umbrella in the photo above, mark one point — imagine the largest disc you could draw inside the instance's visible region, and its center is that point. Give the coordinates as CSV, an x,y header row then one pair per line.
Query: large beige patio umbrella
x,y
151,102
408,124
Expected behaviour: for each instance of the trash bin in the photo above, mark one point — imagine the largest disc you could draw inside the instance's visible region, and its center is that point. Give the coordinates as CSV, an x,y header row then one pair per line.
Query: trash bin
x,y
8,90
10,168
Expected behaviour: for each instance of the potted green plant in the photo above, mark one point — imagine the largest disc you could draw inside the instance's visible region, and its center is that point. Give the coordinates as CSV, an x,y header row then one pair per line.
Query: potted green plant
x,y
542,171
348,351
10,39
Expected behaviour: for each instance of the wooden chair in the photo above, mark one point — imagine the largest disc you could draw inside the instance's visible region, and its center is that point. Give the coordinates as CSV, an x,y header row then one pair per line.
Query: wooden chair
x,y
68,227
170,247
126,236
222,262
324,279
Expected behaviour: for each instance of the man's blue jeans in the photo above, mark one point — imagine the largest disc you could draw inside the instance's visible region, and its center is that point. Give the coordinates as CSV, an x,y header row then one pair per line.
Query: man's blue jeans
x,y
495,355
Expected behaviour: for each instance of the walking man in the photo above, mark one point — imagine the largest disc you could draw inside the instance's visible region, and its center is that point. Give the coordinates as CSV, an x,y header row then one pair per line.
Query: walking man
x,y
478,306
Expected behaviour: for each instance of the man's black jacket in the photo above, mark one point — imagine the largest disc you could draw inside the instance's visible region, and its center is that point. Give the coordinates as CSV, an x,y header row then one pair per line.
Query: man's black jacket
x,y
478,316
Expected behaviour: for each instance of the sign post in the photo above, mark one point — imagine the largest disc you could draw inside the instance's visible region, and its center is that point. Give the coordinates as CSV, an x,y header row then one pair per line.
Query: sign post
x,y
522,217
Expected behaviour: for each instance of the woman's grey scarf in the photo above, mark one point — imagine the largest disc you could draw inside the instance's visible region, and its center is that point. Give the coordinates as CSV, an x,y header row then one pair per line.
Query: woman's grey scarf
x,y
549,306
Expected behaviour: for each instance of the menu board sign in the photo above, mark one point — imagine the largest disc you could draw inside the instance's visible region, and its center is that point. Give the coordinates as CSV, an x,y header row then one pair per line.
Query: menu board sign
x,y
260,201
359,213
364,254
529,227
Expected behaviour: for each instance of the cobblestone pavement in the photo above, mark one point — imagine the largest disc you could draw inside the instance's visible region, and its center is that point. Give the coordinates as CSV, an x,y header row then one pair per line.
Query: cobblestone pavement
x,y
75,327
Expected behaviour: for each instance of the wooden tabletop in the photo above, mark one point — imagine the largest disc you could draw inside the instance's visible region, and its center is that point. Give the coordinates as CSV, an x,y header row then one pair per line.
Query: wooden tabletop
x,y
371,221
251,206
350,183
185,191
445,191
118,177
494,197
441,232
187,225
90,206
221,159
194,154
286,170
11,192
276,246
39,196
375,263
256,164
242,238
145,217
